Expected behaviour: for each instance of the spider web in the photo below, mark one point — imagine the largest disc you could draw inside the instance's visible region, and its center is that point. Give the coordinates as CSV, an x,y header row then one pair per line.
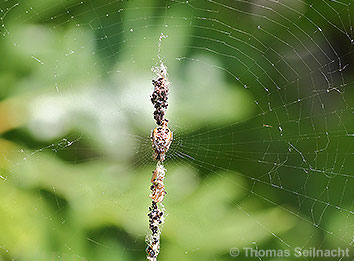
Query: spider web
x,y
261,106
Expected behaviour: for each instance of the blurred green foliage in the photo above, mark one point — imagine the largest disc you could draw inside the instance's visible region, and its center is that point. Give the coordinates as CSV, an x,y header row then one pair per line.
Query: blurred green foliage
x,y
75,117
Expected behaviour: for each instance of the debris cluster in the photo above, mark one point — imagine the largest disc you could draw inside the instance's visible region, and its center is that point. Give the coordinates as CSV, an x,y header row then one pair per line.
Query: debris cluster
x,y
156,219
160,96
161,138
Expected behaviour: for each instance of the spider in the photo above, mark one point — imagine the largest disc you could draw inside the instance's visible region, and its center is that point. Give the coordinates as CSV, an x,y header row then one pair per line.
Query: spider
x,y
161,138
